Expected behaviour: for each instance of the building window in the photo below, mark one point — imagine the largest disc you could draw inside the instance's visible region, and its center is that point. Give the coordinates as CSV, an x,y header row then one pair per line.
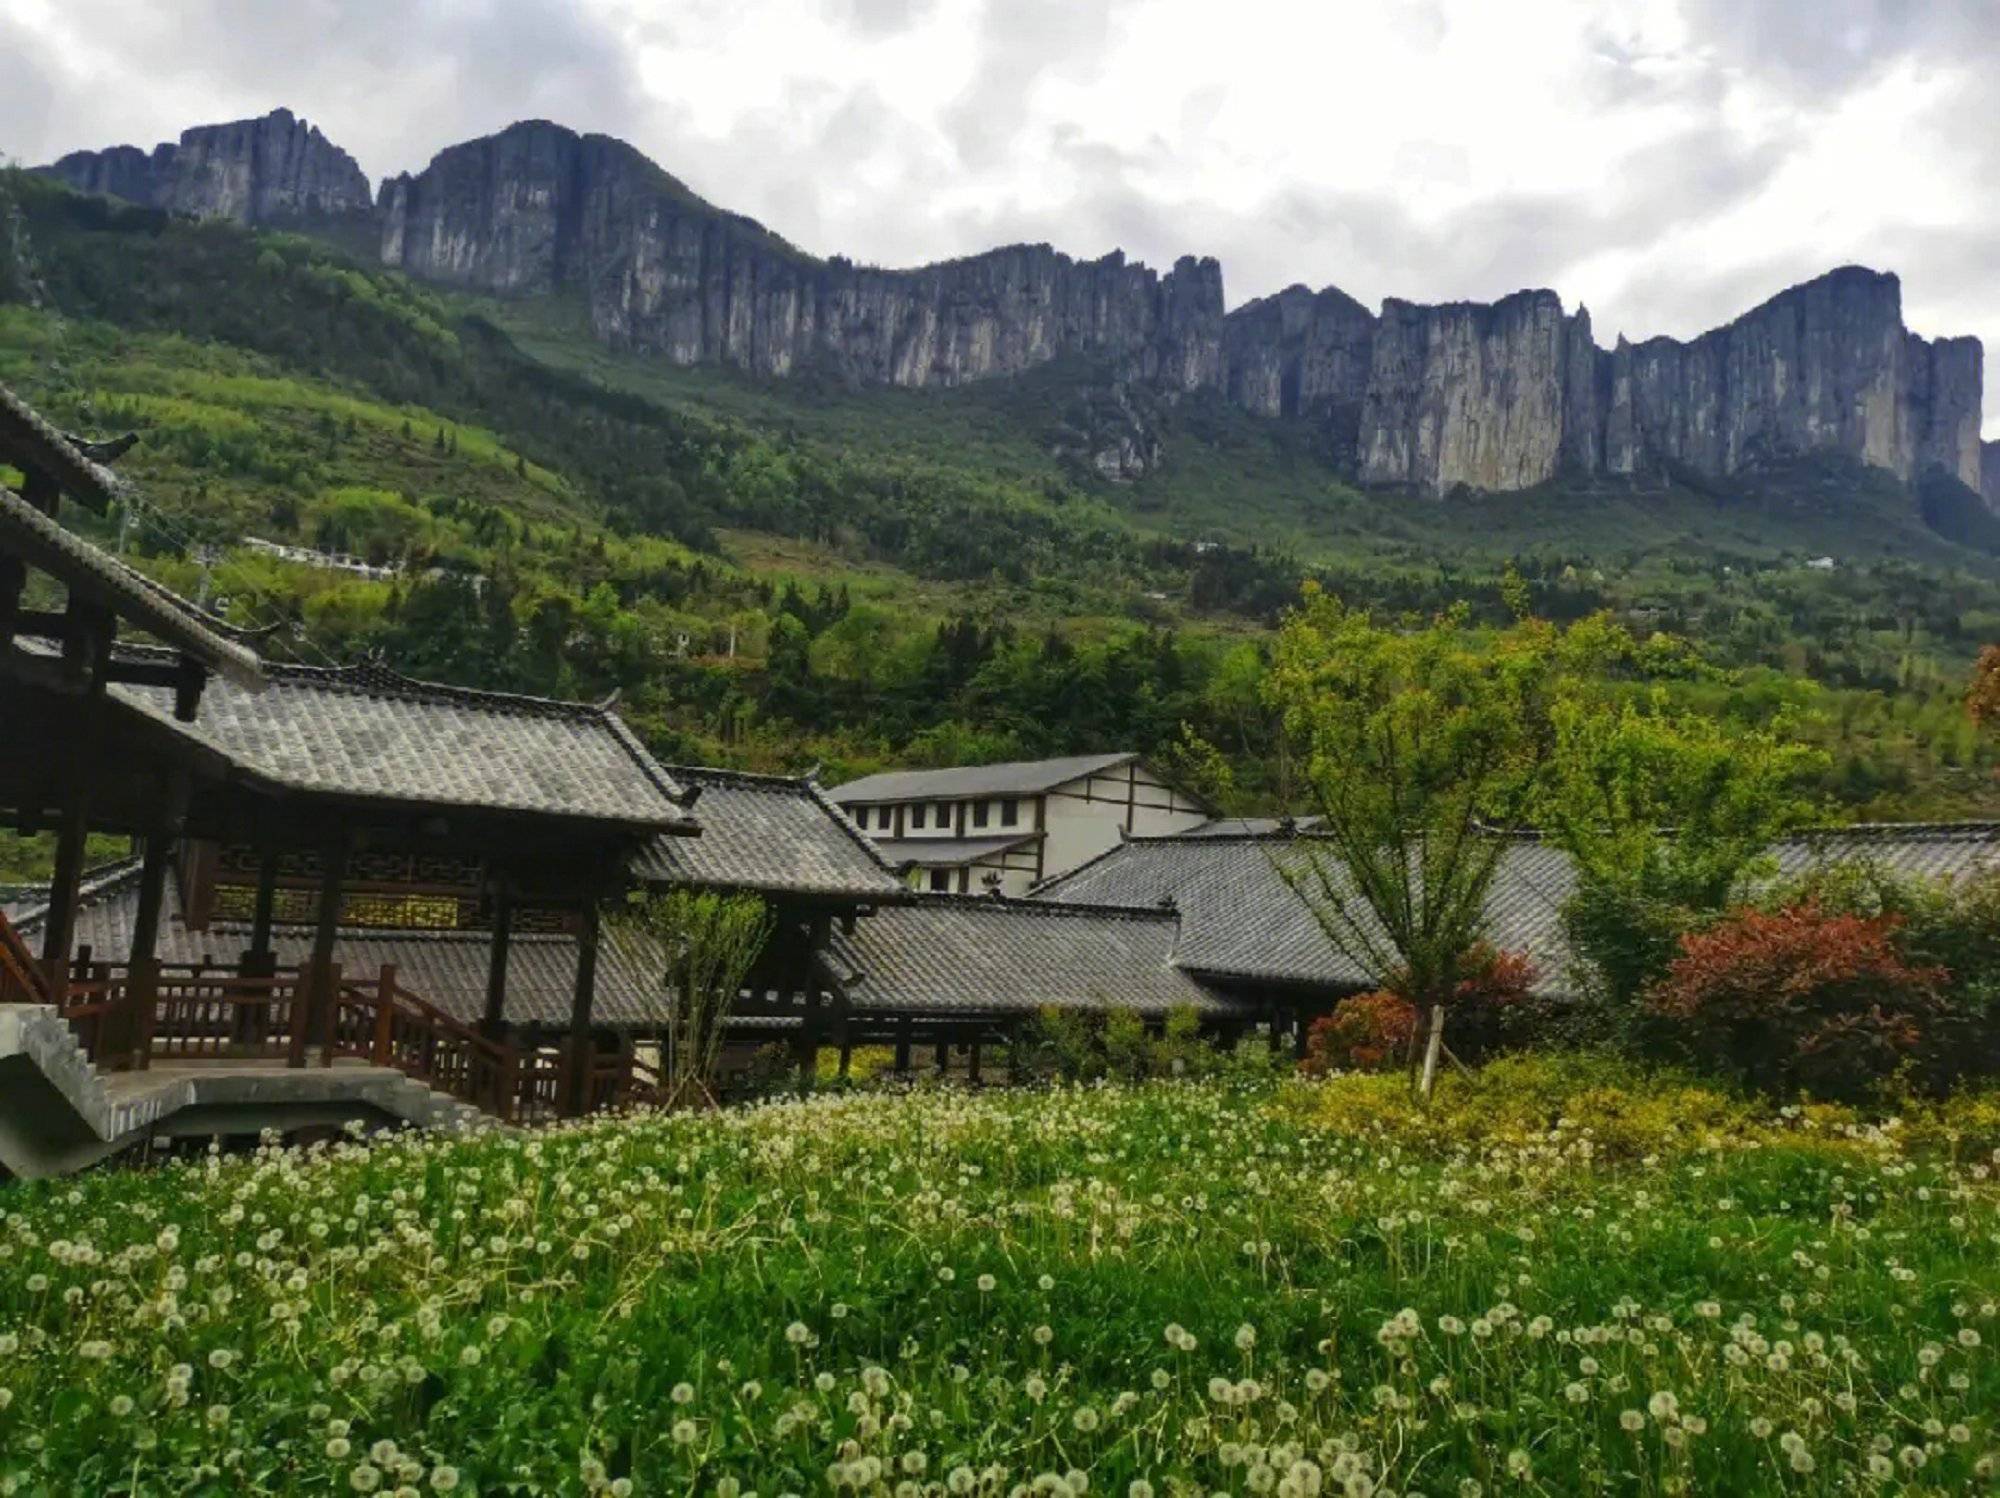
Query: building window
x,y
980,810
1010,812
917,814
941,881
944,814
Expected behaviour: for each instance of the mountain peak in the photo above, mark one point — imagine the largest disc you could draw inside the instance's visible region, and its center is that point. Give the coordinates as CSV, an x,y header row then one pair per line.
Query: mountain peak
x,y
275,168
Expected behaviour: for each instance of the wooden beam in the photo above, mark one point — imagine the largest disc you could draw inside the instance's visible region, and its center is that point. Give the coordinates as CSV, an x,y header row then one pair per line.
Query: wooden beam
x,y
13,581
72,833
320,998
582,999
153,865
39,488
496,964
267,897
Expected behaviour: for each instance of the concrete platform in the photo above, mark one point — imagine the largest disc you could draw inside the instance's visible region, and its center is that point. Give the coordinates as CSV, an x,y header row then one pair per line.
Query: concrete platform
x,y
58,1113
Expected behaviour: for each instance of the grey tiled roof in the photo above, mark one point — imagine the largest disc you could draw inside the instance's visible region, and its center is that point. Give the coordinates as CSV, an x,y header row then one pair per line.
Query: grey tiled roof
x,y
28,437
445,968
769,833
1014,778
1941,850
949,852
366,733
1249,826
1241,920
967,954
81,567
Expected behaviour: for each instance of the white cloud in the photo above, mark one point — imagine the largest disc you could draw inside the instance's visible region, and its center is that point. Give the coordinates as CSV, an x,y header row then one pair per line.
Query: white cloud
x,y
1669,162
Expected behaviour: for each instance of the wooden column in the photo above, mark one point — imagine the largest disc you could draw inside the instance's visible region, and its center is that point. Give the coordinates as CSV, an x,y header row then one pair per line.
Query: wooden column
x,y
319,998
252,1027
942,1054
495,1022
267,902
843,1030
808,1042
59,928
972,1062
806,974
13,579
903,1037
577,1066
152,897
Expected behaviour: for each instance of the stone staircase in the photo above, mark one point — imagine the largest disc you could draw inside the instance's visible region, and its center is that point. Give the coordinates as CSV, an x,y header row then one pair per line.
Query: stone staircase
x,y
59,1113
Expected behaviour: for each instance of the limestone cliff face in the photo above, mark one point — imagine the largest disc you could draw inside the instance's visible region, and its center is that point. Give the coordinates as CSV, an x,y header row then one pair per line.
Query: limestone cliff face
x,y
1467,394
261,171
1508,395
538,208
1499,396
118,172
1827,366
1302,355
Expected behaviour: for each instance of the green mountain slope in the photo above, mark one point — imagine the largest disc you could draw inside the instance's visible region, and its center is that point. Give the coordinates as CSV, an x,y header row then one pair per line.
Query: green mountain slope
x,y
778,572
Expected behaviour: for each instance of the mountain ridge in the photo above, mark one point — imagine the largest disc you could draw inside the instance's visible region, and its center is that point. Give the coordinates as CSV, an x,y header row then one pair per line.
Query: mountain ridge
x,y
1426,397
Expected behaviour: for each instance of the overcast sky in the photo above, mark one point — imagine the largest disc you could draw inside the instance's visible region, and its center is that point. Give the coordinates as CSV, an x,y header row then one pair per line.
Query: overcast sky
x,y
1666,162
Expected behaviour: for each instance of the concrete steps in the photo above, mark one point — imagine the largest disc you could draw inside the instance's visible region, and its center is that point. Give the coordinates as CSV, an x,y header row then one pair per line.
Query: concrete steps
x,y
59,1114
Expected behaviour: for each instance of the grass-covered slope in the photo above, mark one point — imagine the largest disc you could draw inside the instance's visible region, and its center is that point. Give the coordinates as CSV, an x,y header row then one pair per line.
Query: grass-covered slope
x,y
1617,1284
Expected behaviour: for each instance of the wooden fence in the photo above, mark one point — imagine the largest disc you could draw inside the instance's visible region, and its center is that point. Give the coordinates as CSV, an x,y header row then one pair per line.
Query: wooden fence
x,y
128,1017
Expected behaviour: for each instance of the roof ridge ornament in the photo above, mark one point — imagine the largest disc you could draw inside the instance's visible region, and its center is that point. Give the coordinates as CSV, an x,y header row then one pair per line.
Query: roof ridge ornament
x,y
105,452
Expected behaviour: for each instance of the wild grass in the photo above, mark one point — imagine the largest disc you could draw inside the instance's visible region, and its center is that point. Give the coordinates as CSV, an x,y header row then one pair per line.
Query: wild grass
x,y
1170,1288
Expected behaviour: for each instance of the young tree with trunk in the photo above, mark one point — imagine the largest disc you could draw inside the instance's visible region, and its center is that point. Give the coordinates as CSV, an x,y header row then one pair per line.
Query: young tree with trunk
x,y
707,944
1418,743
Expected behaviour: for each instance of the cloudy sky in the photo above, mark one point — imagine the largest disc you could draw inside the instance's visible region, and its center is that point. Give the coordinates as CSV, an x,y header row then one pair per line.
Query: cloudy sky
x,y
1666,162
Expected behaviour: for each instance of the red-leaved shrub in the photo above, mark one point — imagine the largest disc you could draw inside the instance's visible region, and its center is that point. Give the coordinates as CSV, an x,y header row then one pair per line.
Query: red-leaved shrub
x,y
1372,1030
1486,1005
1365,1032
1798,999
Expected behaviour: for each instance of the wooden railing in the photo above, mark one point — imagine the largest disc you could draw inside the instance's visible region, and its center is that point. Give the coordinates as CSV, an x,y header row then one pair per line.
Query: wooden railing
x,y
21,980
127,1017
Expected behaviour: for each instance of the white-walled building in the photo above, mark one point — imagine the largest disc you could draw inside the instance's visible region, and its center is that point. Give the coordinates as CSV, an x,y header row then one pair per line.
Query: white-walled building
x,y
1019,822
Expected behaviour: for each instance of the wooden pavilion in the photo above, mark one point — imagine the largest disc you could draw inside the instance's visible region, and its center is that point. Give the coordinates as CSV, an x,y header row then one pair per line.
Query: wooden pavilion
x,y
336,796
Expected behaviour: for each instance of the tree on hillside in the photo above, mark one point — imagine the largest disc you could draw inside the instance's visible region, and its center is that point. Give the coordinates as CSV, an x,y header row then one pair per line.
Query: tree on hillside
x,y
1664,812
1416,743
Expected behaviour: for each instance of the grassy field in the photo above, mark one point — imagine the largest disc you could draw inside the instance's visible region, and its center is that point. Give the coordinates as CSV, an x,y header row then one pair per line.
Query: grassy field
x,y
1561,1278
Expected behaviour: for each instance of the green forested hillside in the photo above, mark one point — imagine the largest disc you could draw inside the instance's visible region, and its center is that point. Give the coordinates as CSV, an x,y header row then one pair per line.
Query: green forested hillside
x,y
781,573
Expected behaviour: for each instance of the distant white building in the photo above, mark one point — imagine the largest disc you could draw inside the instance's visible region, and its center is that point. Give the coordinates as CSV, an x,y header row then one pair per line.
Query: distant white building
x,y
1017,823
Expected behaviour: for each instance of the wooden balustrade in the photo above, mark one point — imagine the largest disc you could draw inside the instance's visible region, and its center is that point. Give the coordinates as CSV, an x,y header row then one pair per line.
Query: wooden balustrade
x,y
128,1017
21,980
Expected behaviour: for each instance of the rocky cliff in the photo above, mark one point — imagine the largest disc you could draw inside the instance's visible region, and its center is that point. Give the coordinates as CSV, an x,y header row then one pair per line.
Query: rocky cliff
x,y
1827,366
1510,394
1497,396
261,171
1302,355
540,208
